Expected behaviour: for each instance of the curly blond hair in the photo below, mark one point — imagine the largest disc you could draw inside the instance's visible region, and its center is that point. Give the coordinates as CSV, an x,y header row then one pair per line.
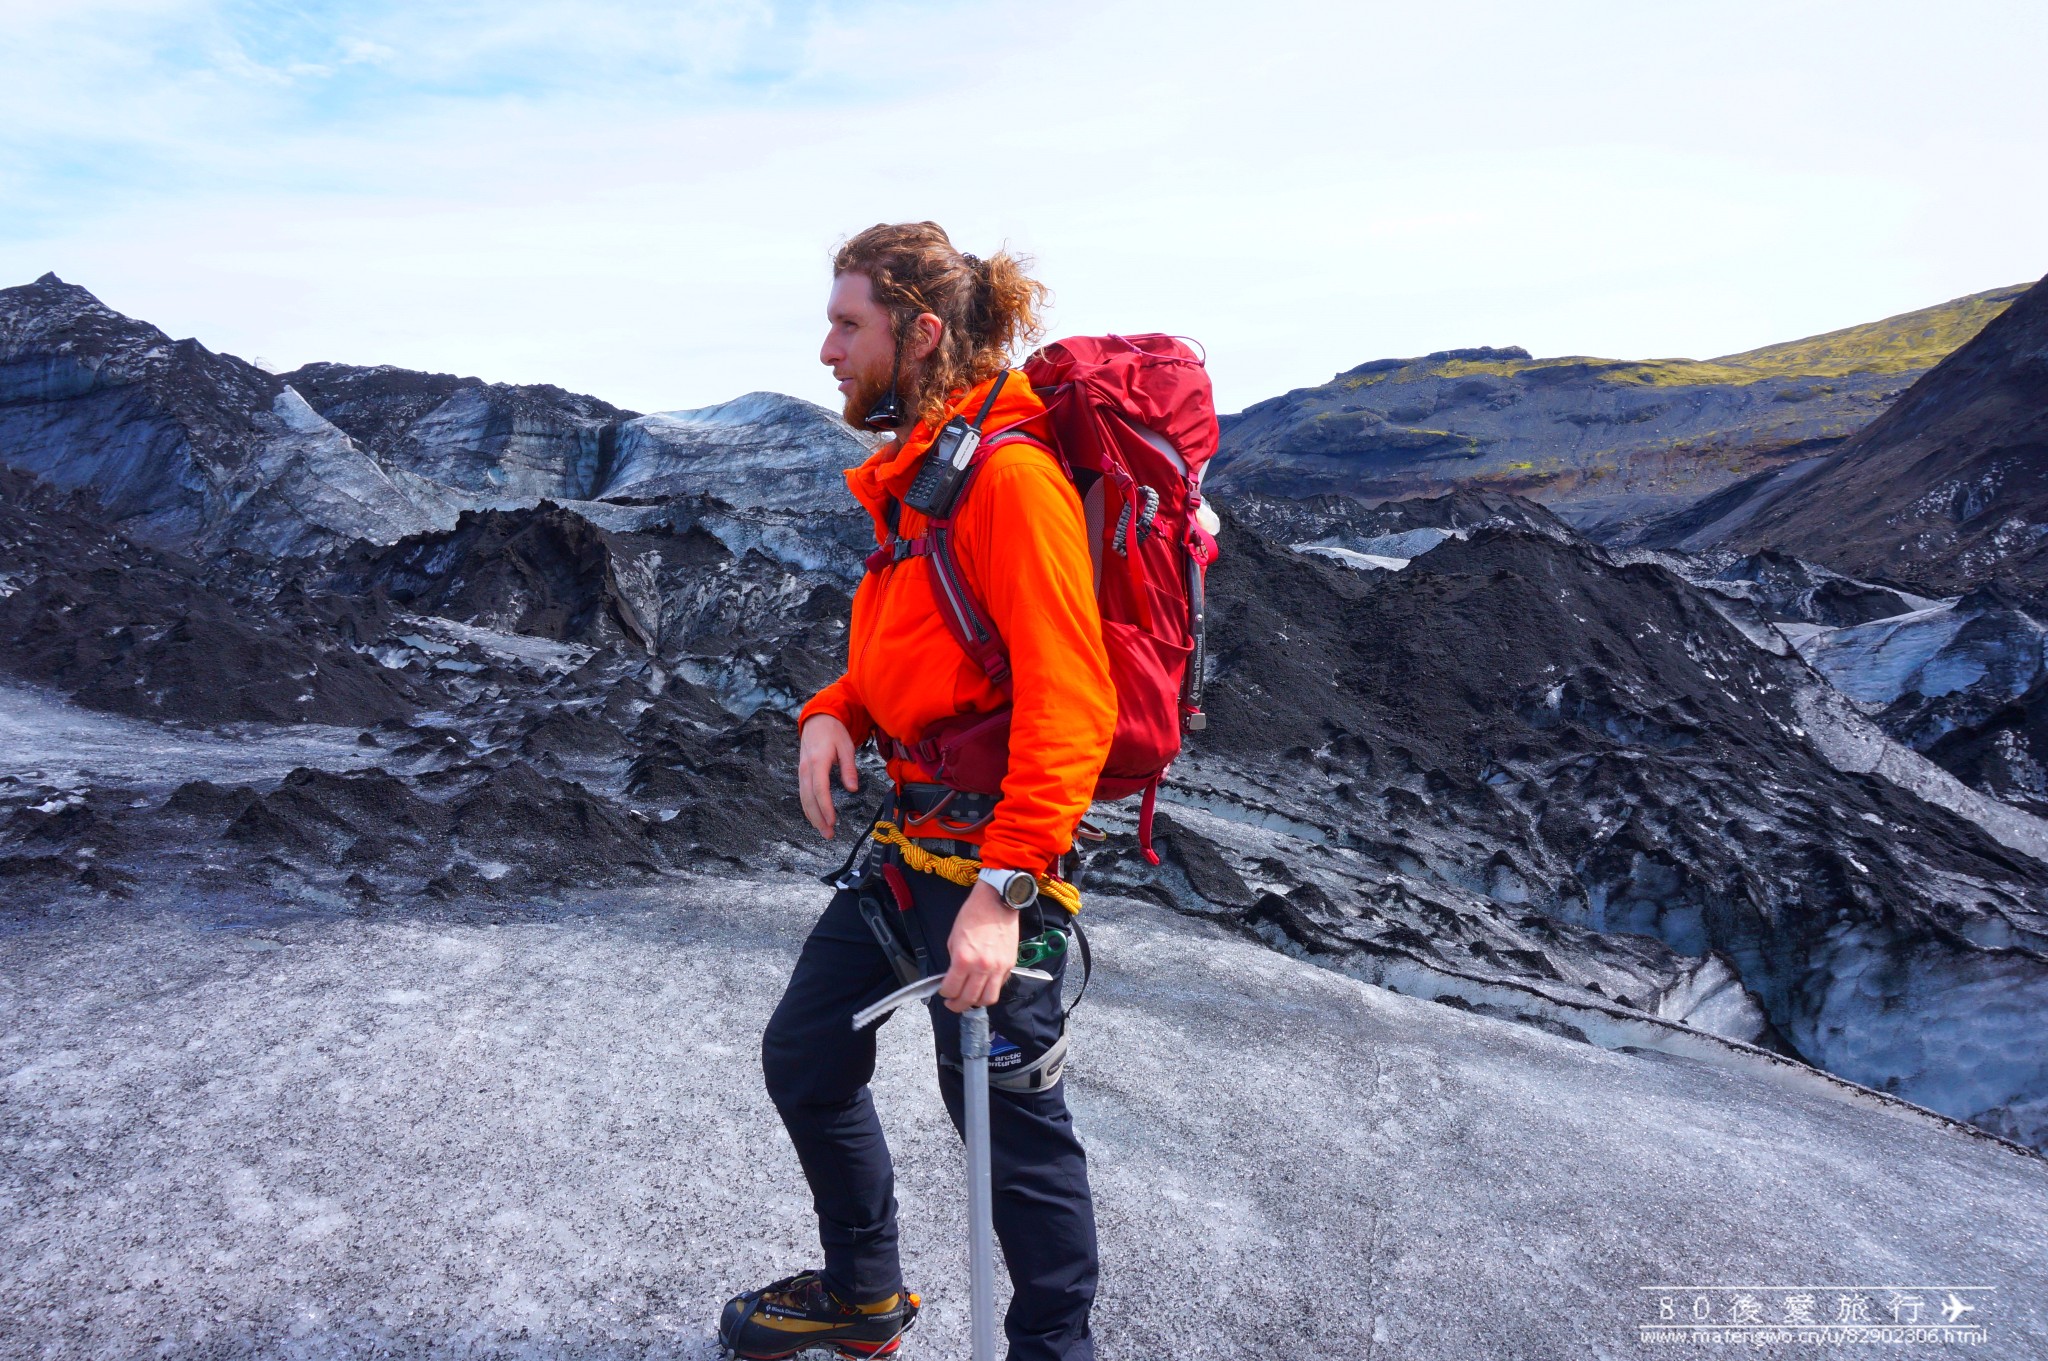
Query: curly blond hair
x,y
990,309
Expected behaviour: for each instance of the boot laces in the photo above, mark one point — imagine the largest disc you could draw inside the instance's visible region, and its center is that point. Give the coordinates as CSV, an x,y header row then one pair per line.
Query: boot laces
x,y
806,1293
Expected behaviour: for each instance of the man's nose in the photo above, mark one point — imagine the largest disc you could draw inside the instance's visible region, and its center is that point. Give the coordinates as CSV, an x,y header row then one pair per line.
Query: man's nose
x,y
829,353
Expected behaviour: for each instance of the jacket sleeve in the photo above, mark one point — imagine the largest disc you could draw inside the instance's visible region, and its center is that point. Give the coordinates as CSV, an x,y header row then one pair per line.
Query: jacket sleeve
x,y
1026,547
839,700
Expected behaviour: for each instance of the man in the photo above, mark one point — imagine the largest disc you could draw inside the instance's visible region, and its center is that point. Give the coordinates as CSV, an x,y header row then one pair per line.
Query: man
x,y
920,333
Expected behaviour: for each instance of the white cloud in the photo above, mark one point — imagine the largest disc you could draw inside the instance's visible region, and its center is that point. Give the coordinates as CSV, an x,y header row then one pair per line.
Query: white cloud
x,y
638,201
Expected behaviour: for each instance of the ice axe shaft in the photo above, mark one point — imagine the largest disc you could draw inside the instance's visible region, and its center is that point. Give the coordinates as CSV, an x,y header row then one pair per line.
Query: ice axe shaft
x,y
981,1224
981,1231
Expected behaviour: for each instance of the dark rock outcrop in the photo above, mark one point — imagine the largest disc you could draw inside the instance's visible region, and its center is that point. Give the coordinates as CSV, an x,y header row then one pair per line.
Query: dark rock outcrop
x,y
546,572
1786,589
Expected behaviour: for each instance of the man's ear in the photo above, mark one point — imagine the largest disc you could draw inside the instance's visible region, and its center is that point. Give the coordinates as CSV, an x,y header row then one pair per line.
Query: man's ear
x,y
922,340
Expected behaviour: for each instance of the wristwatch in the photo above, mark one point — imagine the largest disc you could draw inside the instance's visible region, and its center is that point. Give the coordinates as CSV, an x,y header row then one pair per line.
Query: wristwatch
x,y
1017,888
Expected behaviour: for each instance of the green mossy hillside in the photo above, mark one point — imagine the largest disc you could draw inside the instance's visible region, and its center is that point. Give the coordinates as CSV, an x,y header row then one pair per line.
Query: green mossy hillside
x,y
1908,343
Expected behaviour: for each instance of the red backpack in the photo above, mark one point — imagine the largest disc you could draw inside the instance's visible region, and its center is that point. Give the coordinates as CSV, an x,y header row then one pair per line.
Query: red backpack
x,y
1133,423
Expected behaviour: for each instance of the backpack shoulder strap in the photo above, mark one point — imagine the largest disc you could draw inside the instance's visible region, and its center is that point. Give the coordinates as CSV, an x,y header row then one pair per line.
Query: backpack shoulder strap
x,y
964,616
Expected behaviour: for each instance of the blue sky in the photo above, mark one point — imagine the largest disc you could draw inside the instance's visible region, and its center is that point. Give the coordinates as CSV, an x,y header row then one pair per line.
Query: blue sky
x,y
639,200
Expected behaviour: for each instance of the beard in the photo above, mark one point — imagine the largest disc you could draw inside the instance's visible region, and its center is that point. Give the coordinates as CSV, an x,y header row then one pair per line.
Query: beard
x,y
868,388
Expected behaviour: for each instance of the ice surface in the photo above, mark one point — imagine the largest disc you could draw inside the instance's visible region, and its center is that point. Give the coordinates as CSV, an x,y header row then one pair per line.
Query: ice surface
x,y
1878,662
1362,561
1851,742
309,486
1973,645
762,449
546,1136
1381,552
752,408
44,740
542,654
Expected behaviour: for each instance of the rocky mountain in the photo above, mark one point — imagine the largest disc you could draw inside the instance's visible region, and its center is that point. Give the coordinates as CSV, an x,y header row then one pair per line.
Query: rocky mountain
x,y
1603,443
490,441
201,452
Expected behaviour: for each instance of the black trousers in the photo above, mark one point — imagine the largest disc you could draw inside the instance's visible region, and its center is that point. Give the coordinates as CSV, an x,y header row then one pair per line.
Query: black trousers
x,y
818,1068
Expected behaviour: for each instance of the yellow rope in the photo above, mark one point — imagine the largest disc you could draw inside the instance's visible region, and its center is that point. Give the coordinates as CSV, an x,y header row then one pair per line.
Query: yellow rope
x,y
961,870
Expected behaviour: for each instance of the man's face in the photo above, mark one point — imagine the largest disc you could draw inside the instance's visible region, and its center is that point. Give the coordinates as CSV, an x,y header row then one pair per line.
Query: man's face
x,y
859,347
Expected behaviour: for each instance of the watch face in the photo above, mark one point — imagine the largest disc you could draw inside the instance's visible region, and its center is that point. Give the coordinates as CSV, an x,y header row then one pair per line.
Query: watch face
x,y
1021,889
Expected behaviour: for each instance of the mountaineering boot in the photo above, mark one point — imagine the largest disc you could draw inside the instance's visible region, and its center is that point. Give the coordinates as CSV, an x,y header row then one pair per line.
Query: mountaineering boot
x,y
798,1312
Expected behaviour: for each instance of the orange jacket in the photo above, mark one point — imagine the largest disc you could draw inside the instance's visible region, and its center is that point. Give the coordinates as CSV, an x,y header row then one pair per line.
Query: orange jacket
x,y
1021,540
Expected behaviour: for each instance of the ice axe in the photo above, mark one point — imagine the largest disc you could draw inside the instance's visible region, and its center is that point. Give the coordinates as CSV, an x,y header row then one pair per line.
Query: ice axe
x,y
981,1224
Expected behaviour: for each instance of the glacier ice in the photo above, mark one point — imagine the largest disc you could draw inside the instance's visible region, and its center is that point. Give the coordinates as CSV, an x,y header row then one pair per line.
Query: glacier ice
x,y
542,1132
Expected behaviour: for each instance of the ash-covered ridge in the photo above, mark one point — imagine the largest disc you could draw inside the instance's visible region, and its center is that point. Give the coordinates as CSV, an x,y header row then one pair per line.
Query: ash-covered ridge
x,y
500,446
492,441
129,629
527,703
763,449
1947,492
181,447
1517,758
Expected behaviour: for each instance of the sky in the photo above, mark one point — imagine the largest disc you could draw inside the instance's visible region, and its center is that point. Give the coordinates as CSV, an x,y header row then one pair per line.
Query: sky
x,y
640,200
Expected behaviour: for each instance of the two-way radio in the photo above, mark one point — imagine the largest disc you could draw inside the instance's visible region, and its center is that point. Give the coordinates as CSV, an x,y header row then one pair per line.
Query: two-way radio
x,y
937,484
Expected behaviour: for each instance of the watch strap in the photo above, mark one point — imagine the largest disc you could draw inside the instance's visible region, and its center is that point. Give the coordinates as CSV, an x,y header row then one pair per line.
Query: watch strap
x,y
1004,883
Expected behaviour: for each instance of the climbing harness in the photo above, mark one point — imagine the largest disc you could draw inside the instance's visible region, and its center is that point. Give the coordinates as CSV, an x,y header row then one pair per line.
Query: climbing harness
x,y
909,957
963,870
1047,944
